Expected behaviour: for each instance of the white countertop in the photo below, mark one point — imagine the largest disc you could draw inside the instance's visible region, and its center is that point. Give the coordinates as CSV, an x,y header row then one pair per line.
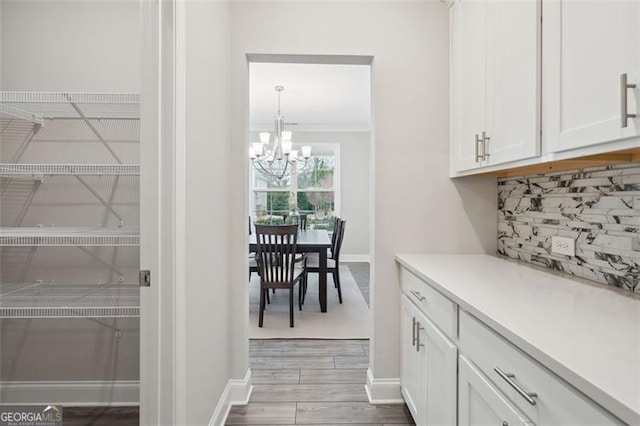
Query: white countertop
x,y
586,333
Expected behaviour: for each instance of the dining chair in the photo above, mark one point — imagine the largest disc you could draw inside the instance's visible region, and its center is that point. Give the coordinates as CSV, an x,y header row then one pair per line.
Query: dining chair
x,y
253,264
312,261
276,254
334,233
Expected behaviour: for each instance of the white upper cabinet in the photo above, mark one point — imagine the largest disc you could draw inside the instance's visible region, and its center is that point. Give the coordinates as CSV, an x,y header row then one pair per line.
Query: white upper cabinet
x,y
469,67
588,46
495,82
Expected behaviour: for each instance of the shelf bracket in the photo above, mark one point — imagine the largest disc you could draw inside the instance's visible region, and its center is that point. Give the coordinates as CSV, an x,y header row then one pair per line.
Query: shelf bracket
x,y
95,131
107,265
102,200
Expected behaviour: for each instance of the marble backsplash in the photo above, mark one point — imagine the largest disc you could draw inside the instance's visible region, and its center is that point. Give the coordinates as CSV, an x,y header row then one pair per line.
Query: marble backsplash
x,y
599,207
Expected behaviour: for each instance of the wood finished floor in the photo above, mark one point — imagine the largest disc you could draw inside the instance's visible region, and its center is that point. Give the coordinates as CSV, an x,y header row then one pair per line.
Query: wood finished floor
x,y
360,273
325,381
312,382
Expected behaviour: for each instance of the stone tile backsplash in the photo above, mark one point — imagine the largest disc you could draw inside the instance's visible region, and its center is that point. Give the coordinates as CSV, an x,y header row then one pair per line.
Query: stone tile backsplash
x,y
599,207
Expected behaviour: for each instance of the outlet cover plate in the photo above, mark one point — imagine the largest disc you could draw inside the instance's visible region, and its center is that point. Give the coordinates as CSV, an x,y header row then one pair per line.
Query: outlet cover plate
x,y
563,245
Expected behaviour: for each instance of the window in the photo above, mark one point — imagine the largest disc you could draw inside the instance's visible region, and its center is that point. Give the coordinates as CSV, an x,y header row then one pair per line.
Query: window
x,y
315,189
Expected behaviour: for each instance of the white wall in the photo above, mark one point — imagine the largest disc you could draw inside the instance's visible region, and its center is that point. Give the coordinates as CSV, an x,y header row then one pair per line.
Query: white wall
x,y
210,345
69,46
416,207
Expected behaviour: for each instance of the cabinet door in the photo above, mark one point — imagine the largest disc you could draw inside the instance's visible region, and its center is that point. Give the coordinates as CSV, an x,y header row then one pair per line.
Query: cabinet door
x,y
441,365
495,81
513,80
588,45
480,403
468,82
412,362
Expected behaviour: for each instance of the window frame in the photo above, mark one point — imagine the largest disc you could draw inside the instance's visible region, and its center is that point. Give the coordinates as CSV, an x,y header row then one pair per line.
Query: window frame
x,y
325,149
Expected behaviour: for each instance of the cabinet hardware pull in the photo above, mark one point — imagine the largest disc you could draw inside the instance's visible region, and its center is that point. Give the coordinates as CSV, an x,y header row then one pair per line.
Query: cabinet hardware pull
x,y
479,156
413,332
418,295
485,146
418,328
508,377
624,87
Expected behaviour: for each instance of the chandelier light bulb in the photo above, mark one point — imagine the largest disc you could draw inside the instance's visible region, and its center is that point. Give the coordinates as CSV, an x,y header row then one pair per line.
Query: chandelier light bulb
x,y
257,148
264,137
286,146
306,151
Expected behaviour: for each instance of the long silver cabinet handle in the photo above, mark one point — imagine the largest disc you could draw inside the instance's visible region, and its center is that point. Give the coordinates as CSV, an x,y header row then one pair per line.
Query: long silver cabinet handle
x,y
418,328
417,295
413,332
479,157
624,87
508,377
485,146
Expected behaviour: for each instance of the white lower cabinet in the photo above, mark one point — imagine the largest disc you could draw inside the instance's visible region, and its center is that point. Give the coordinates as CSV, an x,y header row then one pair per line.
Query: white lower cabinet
x,y
441,367
482,379
543,397
413,362
428,369
480,403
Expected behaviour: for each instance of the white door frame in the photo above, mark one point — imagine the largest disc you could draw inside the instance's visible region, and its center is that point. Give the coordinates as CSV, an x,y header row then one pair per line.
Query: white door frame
x,y
162,212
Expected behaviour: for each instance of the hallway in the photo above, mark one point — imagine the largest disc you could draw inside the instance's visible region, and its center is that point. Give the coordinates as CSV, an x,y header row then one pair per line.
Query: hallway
x,y
312,382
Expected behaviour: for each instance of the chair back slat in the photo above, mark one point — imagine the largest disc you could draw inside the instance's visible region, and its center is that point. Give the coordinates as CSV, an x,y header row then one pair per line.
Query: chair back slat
x,y
334,235
276,249
337,246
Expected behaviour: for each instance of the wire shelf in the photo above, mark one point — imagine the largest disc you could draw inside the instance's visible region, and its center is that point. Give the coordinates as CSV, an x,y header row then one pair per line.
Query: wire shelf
x,y
17,113
62,97
70,169
71,300
68,237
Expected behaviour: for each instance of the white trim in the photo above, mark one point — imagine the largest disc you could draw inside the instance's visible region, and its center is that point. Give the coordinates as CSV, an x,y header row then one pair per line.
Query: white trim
x,y
72,393
180,214
236,392
383,391
345,258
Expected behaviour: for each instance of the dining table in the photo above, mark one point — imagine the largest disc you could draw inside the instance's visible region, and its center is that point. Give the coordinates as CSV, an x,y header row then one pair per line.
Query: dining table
x,y
310,241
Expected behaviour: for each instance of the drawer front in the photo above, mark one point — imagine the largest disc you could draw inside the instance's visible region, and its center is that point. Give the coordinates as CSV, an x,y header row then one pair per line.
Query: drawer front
x,y
556,402
440,310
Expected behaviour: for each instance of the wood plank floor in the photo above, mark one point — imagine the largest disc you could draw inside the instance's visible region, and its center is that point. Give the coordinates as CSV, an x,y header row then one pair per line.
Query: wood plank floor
x,y
312,382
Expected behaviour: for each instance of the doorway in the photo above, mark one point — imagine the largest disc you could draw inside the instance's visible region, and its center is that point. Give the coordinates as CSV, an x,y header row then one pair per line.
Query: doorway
x,y
326,105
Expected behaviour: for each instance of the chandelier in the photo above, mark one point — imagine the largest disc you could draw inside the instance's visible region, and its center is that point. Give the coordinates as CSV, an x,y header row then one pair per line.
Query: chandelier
x,y
275,156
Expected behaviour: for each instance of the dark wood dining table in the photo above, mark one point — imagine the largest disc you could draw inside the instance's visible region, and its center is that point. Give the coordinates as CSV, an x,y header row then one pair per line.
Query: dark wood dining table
x,y
310,241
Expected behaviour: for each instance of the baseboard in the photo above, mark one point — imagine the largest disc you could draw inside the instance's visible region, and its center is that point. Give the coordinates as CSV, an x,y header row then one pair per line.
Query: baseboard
x,y
345,258
72,393
236,392
383,391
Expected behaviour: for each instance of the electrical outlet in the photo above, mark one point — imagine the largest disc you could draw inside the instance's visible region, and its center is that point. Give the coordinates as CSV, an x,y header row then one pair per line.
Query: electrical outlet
x,y
563,245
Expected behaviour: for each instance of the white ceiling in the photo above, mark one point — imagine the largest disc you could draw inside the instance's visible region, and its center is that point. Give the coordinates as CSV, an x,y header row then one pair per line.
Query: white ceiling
x,y
316,96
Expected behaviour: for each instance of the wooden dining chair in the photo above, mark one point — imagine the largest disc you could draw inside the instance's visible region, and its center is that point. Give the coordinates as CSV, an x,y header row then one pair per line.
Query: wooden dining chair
x,y
276,254
253,264
312,261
